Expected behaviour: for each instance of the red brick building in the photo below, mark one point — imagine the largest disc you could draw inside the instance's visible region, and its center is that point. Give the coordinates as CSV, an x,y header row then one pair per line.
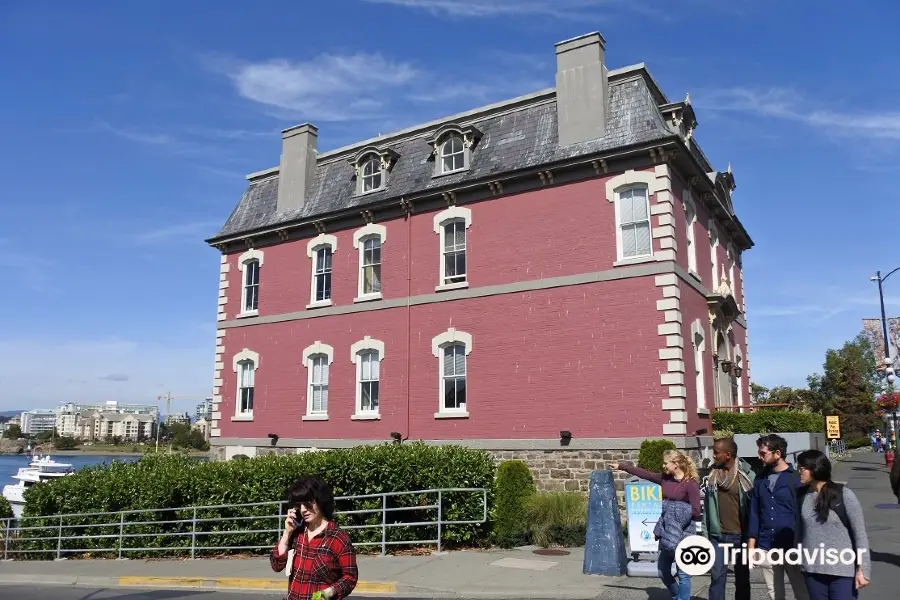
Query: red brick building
x,y
565,261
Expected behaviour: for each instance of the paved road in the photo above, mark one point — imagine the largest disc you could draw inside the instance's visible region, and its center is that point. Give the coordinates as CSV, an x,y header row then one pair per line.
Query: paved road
x,y
34,592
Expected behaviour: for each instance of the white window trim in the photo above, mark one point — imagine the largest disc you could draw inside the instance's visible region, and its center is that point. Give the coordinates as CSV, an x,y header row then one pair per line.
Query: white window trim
x,y
359,237
620,259
315,349
320,241
356,350
690,214
438,343
446,139
243,259
732,261
714,253
245,354
454,213
699,366
372,156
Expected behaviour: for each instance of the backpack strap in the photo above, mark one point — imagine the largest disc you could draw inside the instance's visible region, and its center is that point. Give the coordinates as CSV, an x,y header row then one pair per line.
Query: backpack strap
x,y
840,509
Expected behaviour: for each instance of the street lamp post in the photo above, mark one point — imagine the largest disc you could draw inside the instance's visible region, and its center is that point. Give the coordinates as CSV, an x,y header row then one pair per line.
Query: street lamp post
x,y
888,363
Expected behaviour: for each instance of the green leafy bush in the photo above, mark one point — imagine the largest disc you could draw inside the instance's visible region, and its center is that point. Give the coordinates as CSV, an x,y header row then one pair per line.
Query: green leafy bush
x,y
6,511
651,454
858,442
514,488
768,421
558,519
65,443
177,480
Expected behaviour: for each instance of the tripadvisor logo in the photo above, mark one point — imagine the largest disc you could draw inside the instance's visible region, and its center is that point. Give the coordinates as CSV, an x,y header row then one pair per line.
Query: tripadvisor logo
x,y
695,555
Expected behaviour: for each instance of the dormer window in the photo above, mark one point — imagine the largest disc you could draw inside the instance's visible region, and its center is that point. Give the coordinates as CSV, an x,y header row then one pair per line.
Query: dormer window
x,y
371,178
372,166
452,148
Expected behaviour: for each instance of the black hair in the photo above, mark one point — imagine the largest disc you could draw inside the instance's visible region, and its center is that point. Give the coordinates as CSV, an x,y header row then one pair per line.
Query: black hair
x,y
312,489
773,443
819,467
729,444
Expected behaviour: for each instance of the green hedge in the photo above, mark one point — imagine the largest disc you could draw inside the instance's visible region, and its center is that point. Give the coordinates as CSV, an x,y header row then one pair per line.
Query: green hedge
x,y
177,480
859,442
514,489
558,519
651,454
768,421
5,509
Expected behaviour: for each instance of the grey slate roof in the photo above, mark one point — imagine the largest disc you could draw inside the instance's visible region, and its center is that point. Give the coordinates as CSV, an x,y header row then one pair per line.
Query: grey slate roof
x,y
524,138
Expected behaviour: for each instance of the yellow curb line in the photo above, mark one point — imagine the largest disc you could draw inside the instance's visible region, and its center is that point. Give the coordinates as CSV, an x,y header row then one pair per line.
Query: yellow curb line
x,y
385,587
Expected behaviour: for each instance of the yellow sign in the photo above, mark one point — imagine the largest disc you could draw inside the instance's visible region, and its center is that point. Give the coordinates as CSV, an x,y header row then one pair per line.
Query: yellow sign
x,y
833,427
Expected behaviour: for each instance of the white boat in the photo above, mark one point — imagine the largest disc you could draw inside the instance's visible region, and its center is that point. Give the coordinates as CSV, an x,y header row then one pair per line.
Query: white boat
x,y
41,469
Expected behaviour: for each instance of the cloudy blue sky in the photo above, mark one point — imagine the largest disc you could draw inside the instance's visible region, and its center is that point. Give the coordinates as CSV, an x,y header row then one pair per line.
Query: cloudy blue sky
x,y
126,130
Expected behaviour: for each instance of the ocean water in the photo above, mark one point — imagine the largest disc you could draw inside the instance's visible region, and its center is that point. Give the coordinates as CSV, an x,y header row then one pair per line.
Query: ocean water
x,y
9,465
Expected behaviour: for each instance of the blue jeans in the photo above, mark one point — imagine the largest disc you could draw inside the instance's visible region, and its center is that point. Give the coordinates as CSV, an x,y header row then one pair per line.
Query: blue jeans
x,y
680,588
830,587
719,572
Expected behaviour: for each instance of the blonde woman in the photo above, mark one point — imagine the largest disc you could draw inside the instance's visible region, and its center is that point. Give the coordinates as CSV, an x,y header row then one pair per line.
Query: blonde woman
x,y
680,509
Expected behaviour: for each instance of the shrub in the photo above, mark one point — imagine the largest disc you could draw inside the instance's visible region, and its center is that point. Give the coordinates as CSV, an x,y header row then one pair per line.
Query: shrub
x,y
172,481
651,454
65,443
514,488
859,442
6,511
558,519
768,421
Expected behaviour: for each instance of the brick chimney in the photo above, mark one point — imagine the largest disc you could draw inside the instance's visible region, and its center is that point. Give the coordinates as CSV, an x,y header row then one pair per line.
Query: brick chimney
x,y
298,166
581,89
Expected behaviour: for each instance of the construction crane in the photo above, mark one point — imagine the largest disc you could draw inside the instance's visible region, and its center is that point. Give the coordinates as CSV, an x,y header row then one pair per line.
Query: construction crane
x,y
169,397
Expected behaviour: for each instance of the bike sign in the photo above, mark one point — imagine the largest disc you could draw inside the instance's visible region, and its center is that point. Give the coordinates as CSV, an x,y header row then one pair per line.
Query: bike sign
x,y
643,506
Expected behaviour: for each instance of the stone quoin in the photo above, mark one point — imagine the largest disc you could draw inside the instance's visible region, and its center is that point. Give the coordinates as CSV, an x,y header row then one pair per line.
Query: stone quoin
x,y
565,261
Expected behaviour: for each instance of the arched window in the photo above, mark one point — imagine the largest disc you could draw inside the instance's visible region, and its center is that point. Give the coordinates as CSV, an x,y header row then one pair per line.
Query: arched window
x,y
453,154
371,175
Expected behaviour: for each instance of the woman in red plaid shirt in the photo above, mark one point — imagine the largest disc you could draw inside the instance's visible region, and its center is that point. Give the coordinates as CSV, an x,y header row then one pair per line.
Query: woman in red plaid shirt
x,y
324,562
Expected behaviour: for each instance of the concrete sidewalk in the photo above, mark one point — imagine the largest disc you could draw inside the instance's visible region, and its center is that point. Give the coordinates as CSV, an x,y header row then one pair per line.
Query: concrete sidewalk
x,y
467,574
477,574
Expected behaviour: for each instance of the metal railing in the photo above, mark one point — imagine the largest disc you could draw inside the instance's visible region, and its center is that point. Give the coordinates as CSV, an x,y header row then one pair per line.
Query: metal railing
x,y
57,535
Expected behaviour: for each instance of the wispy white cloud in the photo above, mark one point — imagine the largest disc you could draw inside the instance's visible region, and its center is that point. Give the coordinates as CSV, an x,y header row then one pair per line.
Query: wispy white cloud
x,y
558,9
191,231
329,87
790,104
372,87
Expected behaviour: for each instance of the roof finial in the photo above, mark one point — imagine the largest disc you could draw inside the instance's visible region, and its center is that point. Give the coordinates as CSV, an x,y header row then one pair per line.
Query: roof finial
x,y
687,99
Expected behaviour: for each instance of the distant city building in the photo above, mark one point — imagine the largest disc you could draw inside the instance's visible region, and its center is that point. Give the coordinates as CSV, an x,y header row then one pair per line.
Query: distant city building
x,y
202,425
38,421
127,426
204,410
184,417
68,415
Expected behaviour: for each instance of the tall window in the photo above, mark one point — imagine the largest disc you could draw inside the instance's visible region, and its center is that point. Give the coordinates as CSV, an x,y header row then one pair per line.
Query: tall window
x,y
698,365
371,175
246,370
371,266
454,378
251,286
369,373
454,252
691,218
714,254
453,155
634,222
322,274
318,386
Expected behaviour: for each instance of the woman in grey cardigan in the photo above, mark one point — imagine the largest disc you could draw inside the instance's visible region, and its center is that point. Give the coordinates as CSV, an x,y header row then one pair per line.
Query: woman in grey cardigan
x,y
830,524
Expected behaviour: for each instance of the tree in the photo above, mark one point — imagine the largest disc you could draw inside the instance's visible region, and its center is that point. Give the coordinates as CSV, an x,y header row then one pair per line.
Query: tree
x,y
65,443
848,386
13,432
759,394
